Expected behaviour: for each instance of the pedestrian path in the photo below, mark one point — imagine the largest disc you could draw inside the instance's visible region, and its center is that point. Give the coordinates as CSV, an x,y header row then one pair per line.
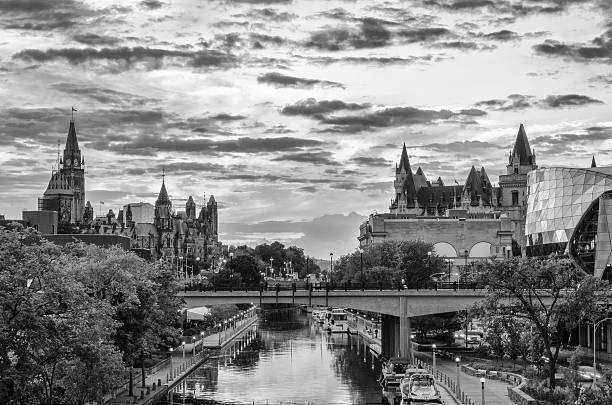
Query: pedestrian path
x,y
184,359
496,392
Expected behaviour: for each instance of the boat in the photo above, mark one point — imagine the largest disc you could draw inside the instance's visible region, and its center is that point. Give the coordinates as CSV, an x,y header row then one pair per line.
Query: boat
x,y
318,315
419,387
393,370
336,321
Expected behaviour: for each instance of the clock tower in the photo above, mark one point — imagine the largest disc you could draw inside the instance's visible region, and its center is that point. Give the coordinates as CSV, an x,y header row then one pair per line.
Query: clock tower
x,y
72,169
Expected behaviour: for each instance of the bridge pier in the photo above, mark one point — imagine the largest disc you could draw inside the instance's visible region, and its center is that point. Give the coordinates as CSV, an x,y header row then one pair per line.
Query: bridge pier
x,y
396,332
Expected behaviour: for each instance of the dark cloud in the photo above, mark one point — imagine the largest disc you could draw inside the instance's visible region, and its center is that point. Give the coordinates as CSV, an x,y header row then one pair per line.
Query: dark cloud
x,y
374,60
514,102
600,49
391,117
103,95
127,57
316,158
279,129
572,143
371,161
569,100
463,45
178,168
270,14
227,117
423,34
371,34
605,79
151,4
95,39
282,80
311,106
259,39
150,145
461,147
43,15
502,35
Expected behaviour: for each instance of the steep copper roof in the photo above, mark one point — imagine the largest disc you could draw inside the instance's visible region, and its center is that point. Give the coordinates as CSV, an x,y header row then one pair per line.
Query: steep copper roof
x,y
419,179
443,196
190,202
71,140
404,162
478,185
58,184
162,198
211,200
521,148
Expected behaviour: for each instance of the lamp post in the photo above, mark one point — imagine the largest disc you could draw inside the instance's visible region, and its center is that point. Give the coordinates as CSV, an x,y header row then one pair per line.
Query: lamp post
x,y
433,352
219,332
458,360
361,264
194,344
449,262
595,325
183,351
482,381
171,367
331,263
202,341
231,255
271,268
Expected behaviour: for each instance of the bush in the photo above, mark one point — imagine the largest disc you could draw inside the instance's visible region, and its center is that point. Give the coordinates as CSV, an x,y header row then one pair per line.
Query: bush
x,y
539,391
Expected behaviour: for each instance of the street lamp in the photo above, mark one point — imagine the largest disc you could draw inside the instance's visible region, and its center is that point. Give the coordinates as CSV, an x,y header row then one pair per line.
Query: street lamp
x,y
193,342
331,263
271,268
183,351
595,325
202,340
433,351
231,255
450,262
482,381
458,360
171,367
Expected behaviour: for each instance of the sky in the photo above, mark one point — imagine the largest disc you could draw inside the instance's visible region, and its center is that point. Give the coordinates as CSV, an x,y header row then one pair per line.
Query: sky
x,y
292,113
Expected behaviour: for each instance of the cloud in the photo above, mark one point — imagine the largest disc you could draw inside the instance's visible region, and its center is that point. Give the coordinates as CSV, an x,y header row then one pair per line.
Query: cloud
x,y
460,146
258,39
463,45
569,100
605,79
281,80
95,39
374,60
149,145
151,4
502,35
127,57
227,117
42,15
101,94
599,50
311,106
371,161
394,116
571,143
516,102
371,34
423,34
270,14
316,158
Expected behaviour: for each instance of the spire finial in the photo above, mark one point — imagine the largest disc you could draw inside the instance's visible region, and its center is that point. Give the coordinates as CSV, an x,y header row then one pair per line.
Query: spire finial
x,y
163,175
72,114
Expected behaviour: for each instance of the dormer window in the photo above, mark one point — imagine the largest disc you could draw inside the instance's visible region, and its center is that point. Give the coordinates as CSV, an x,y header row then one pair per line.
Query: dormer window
x,y
516,170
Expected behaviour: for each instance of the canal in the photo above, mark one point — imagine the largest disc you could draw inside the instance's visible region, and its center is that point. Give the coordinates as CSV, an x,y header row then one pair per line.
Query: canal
x,y
285,358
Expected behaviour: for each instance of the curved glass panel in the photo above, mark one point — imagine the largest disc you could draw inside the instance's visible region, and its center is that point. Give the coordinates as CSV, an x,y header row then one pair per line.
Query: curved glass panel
x,y
444,249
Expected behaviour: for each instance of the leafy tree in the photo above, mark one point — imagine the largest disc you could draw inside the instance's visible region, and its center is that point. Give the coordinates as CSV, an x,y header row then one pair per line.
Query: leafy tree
x,y
551,295
246,266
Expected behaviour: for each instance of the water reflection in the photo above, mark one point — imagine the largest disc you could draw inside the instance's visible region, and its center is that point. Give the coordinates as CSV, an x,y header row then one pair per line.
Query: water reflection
x,y
282,360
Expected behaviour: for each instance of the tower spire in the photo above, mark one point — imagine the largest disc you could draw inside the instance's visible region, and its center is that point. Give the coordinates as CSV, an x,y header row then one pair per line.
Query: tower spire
x,y
521,148
163,175
593,164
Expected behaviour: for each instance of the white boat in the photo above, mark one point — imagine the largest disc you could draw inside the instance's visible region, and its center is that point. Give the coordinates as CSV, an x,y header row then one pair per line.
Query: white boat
x,y
393,370
336,321
318,315
419,387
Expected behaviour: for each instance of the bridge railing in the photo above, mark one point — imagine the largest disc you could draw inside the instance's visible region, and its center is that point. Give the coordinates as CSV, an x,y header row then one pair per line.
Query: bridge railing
x,y
195,285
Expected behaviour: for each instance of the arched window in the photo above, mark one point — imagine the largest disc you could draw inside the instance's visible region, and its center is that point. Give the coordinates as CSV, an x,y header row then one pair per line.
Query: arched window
x,y
481,249
444,249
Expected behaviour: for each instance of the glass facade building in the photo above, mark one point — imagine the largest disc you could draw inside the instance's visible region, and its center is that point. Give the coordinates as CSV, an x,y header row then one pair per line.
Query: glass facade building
x,y
569,211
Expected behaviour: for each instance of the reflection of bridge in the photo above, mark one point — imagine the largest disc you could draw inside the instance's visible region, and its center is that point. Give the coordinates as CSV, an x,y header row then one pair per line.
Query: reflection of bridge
x,y
396,307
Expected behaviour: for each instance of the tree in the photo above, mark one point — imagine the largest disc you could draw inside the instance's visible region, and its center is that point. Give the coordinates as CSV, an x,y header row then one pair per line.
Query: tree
x,y
246,266
550,294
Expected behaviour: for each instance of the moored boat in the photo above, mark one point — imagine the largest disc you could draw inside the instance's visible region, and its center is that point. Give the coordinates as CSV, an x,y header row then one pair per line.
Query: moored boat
x,y
336,321
419,387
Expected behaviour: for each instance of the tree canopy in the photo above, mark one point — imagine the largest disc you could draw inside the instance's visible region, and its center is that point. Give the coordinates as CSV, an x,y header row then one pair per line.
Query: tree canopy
x,y
550,295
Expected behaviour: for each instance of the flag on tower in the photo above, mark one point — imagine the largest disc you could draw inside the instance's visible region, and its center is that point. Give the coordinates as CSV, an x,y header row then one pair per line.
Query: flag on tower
x,y
74,109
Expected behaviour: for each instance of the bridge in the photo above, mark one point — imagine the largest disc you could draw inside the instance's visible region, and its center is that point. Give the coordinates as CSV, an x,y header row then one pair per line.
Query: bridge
x,y
396,306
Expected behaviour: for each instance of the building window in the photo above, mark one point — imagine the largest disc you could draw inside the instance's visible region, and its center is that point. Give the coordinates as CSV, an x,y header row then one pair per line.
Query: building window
x,y
515,198
516,170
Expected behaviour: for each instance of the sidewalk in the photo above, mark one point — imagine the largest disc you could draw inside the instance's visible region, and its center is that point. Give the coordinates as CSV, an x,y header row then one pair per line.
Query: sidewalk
x,y
496,392
157,383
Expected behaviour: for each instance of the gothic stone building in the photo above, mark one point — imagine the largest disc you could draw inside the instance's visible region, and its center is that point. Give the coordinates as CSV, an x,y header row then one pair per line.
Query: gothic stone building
x,y
465,222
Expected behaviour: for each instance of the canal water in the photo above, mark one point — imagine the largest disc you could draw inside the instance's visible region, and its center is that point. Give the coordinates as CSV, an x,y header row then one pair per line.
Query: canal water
x,y
284,358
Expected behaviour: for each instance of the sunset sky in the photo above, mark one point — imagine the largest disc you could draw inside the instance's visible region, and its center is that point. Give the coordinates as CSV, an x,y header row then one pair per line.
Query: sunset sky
x,y
293,113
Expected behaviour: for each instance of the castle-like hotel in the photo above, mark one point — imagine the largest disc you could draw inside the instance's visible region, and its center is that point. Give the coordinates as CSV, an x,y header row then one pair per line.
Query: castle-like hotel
x,y
156,232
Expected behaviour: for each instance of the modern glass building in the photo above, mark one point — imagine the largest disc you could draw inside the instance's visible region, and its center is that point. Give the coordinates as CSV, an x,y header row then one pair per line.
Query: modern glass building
x,y
569,211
